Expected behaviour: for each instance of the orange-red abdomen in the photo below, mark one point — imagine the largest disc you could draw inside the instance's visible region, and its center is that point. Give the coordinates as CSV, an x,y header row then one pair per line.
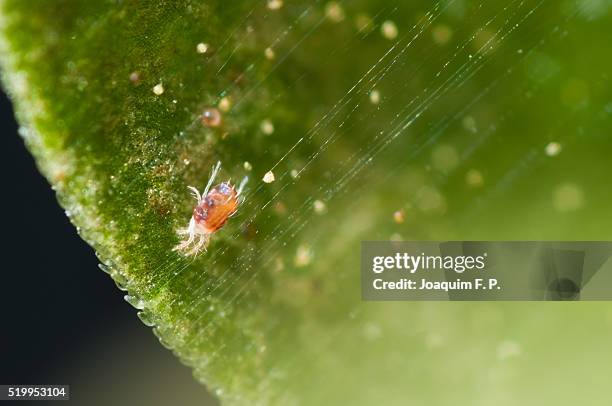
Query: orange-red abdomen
x,y
216,207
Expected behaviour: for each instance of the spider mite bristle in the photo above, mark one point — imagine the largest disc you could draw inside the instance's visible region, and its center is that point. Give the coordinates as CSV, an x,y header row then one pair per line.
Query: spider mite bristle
x,y
214,207
211,117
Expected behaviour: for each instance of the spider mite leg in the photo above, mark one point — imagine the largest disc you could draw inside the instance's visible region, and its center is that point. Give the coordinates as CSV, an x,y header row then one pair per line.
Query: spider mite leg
x,y
195,193
213,175
201,244
190,230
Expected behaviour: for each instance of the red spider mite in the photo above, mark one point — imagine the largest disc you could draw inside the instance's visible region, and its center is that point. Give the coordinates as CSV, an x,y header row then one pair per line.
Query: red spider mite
x,y
214,207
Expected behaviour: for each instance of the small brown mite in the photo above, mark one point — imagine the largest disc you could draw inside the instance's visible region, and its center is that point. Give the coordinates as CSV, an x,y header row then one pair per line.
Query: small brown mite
x,y
216,207
211,117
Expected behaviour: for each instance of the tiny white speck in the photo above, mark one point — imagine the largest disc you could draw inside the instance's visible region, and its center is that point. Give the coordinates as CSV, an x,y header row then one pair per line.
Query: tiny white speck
x,y
294,173
158,89
319,207
334,12
247,166
267,127
374,96
399,216
225,104
553,149
269,177
275,4
269,53
303,256
202,48
389,29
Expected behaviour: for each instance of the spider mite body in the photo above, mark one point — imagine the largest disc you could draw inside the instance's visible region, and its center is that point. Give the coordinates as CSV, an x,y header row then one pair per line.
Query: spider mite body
x,y
214,209
215,206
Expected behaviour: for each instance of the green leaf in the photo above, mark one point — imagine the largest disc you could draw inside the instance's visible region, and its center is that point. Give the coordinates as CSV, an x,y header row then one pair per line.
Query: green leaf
x,y
470,95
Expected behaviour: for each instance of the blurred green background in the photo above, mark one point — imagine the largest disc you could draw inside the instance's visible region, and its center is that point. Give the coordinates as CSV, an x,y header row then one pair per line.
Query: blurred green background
x,y
381,120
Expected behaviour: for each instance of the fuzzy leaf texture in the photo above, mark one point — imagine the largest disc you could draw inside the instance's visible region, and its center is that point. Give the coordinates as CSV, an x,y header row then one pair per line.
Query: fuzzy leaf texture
x,y
411,120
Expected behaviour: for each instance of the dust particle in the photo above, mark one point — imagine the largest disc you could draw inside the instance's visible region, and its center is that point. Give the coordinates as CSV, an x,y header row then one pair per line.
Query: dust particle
x,y
399,216
202,48
389,30
266,127
334,12
269,53
374,96
553,149
225,104
158,89
303,256
268,177
275,4
135,78
319,207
